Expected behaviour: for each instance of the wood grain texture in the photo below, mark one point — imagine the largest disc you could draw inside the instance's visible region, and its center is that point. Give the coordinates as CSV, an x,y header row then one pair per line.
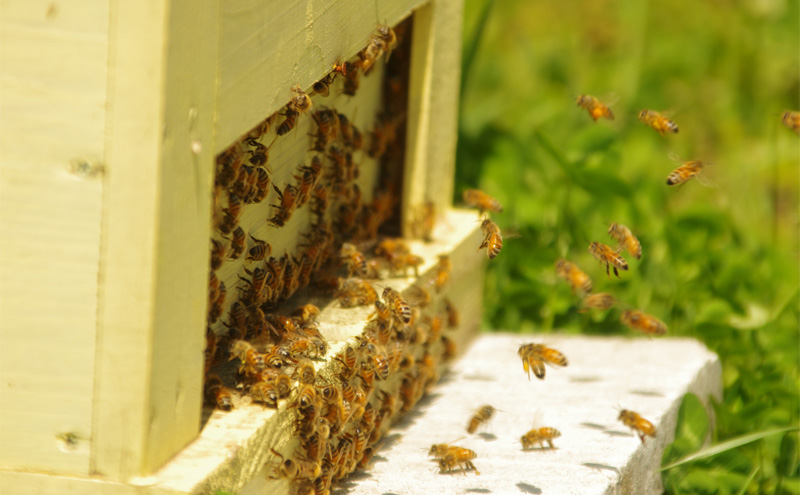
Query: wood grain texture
x,y
156,230
53,89
267,47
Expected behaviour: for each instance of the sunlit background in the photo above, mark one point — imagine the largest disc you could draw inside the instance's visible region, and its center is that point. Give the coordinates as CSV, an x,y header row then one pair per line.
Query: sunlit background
x,y
720,256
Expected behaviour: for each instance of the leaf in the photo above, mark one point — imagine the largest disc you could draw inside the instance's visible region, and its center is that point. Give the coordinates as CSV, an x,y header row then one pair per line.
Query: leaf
x,y
692,427
728,445
743,490
787,461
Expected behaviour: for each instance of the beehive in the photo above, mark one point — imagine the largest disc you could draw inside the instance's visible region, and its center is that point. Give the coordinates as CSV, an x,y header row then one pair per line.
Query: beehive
x,y
112,117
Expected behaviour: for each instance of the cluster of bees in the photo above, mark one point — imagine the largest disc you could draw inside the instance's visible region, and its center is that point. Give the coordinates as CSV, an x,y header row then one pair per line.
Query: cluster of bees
x,y
262,349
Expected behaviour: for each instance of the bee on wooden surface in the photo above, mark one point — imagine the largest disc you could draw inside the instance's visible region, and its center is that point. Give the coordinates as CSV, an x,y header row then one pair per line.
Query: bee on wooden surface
x,y
400,308
226,223
351,77
456,458
261,189
323,86
482,416
643,322
482,201
306,312
327,121
218,393
595,107
389,37
349,358
688,170
453,318
626,239
350,134
289,121
443,270
355,292
238,241
378,360
286,206
402,262
638,424
534,357
259,156
300,101
297,469
215,310
258,252
791,120
576,277
658,122
258,131
304,372
539,436
493,239
218,251
609,257
265,392
228,163
601,301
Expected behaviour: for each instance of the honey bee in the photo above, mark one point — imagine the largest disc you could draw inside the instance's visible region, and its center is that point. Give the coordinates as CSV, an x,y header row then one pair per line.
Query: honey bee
x,y
685,172
289,121
219,393
401,263
595,108
356,263
305,372
539,436
287,199
638,320
238,241
638,424
601,300
379,360
482,201
400,308
258,131
355,292
218,251
534,357
258,252
351,77
658,122
260,155
323,86
265,392
443,269
570,272
483,415
457,458
452,314
625,238
215,310
306,312
493,240
608,257
300,101
297,469
262,185
791,120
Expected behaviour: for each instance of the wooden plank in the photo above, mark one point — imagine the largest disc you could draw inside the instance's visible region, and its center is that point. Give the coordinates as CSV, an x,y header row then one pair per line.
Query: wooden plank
x,y
48,484
53,88
156,230
263,53
433,109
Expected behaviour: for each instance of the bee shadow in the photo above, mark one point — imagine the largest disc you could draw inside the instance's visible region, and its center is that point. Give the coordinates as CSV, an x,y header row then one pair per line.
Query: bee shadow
x,y
584,379
594,465
481,378
526,488
594,426
538,449
647,393
617,433
489,437
478,490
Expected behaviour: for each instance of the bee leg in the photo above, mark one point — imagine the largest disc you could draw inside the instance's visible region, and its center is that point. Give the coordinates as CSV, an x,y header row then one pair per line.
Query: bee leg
x,y
641,437
616,272
550,443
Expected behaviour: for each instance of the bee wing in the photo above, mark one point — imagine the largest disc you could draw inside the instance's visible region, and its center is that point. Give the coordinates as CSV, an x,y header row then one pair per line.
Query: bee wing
x,y
676,157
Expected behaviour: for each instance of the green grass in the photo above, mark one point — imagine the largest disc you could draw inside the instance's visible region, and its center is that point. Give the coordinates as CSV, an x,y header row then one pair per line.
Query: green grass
x,y
720,263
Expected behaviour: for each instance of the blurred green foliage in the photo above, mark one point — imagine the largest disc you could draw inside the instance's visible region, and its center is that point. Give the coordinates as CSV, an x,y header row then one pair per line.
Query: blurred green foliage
x,y
720,262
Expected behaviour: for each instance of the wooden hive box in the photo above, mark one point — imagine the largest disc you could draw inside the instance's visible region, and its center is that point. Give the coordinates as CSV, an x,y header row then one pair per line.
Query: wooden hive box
x,y
115,121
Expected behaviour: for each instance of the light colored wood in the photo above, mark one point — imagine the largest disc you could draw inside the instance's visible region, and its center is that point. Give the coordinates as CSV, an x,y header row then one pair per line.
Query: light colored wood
x,y
19,483
267,47
156,229
52,96
433,109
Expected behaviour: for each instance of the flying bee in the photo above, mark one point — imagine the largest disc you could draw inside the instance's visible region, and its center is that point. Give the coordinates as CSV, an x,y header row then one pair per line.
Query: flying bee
x,y
576,277
400,308
595,108
601,301
688,170
791,120
482,201
258,252
608,257
356,263
483,415
534,357
539,436
658,122
625,238
638,424
638,320
493,239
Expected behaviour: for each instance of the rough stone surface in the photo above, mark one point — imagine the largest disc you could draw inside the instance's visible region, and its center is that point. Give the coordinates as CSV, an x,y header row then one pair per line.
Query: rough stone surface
x,y
596,454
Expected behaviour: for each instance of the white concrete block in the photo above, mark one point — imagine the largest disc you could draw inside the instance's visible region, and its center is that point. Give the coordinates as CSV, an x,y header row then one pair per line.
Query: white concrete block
x,y
596,454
